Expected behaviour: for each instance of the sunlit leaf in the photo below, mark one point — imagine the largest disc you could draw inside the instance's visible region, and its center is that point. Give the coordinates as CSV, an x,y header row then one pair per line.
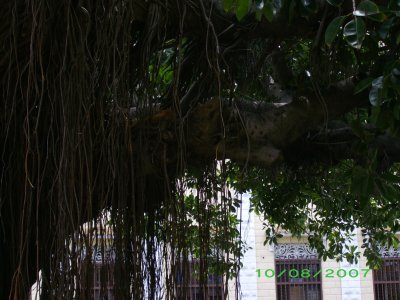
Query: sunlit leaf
x,y
366,8
375,94
354,32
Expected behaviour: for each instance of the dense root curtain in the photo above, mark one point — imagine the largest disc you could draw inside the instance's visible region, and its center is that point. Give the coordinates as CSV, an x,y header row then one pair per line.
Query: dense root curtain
x,y
68,70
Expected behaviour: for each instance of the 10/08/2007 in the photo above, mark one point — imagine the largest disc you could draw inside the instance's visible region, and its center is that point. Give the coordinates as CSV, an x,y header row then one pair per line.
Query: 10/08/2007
x,y
306,273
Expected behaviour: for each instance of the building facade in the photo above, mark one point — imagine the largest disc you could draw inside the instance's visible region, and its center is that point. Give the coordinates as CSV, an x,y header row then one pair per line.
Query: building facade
x,y
291,270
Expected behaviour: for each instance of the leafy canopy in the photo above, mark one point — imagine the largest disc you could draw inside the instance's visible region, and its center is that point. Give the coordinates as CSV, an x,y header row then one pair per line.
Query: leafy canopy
x,y
328,203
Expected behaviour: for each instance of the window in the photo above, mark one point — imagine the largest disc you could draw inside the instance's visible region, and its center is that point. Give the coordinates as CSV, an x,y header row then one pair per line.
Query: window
x,y
102,274
189,287
97,281
387,278
297,273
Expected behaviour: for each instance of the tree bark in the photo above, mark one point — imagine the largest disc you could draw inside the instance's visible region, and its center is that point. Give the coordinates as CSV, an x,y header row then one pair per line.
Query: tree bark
x,y
257,133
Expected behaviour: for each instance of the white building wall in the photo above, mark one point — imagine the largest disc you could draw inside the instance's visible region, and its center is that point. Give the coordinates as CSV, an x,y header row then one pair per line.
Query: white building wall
x,y
351,288
247,275
246,287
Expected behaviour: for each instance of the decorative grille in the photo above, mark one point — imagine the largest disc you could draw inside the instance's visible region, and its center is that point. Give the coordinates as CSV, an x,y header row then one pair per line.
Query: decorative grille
x,y
389,252
295,251
103,255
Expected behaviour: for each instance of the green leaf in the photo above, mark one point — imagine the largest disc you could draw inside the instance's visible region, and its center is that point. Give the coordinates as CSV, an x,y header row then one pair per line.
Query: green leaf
x,y
377,82
333,29
228,4
395,242
362,183
366,8
387,190
380,17
259,14
375,93
362,85
242,8
336,3
268,11
354,32
395,76
385,28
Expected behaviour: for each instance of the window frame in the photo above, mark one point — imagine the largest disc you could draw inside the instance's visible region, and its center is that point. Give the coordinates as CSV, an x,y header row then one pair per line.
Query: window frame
x,y
297,256
380,282
192,285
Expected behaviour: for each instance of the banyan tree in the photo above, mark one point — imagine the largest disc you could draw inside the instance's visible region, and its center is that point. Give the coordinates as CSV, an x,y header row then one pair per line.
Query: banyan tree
x,y
122,108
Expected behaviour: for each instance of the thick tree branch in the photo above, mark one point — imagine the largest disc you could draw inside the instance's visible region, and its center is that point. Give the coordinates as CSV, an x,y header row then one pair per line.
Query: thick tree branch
x,y
257,133
333,145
